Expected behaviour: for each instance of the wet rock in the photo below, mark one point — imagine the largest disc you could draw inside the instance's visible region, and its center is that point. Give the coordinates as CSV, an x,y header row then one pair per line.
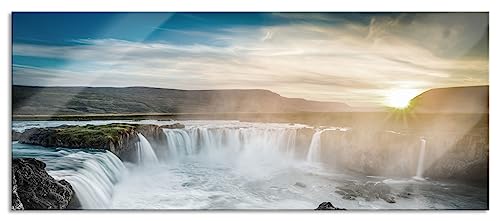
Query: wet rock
x,y
328,206
388,198
173,126
74,203
34,189
16,202
348,197
405,195
299,184
369,191
15,135
466,157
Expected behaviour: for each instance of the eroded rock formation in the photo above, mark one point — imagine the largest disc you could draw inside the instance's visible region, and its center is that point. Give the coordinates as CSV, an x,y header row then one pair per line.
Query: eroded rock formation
x,y
34,189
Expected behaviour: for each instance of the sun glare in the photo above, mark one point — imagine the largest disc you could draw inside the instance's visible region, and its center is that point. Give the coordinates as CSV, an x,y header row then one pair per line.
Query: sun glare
x,y
400,98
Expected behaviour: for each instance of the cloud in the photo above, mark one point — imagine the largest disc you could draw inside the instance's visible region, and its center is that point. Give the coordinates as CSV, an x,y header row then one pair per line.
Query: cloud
x,y
350,62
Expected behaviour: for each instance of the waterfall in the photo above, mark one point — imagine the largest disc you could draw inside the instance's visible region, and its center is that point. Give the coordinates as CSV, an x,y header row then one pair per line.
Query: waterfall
x,y
93,178
178,143
421,158
213,140
314,153
291,143
145,153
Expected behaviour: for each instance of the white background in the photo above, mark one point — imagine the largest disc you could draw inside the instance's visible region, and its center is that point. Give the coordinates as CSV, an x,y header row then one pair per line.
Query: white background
x,y
7,6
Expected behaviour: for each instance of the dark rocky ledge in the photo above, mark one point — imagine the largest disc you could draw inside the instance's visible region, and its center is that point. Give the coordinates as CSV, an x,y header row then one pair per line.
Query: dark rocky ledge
x,y
15,135
34,189
328,206
118,138
173,126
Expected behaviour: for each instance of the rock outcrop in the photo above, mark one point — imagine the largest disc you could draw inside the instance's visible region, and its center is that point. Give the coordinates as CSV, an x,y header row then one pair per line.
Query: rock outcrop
x,y
458,156
15,135
121,139
327,206
16,201
173,126
34,189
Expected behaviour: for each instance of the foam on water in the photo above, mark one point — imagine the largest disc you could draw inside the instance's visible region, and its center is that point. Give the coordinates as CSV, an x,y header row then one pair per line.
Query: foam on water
x,y
91,173
227,165
314,153
146,156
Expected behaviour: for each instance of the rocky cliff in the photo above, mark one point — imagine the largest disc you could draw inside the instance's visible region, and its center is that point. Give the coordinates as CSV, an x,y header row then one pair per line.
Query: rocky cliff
x,y
34,189
447,155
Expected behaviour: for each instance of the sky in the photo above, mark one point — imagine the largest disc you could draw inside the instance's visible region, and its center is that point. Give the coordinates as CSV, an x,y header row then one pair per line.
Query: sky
x,y
361,59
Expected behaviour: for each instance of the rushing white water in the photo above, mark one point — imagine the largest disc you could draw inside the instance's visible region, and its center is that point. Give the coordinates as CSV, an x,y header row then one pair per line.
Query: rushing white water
x,y
145,153
421,159
230,165
178,143
314,153
211,141
91,173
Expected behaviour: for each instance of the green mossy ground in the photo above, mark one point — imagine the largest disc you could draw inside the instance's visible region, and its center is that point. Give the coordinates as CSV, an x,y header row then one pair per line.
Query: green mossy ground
x,y
94,134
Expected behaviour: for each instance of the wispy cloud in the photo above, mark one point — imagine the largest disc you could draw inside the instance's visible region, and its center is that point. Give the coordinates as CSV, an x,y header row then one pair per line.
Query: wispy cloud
x,y
351,62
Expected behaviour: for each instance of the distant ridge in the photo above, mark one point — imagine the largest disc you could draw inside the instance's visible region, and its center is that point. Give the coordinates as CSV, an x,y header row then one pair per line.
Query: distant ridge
x,y
472,99
34,100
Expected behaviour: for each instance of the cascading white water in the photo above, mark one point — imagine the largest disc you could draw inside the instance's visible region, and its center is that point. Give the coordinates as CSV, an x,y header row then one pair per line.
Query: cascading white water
x,y
178,142
314,153
291,143
145,153
231,165
92,176
92,173
421,158
194,140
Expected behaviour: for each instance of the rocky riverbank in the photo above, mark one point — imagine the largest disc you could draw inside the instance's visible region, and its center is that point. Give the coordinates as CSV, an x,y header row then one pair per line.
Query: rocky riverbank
x,y
34,189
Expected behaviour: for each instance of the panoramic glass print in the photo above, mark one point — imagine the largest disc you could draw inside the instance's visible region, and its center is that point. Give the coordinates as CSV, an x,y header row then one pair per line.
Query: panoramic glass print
x,y
250,111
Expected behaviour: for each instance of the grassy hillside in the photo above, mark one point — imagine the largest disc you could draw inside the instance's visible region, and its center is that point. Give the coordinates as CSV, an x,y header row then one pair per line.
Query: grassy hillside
x,y
474,99
28,100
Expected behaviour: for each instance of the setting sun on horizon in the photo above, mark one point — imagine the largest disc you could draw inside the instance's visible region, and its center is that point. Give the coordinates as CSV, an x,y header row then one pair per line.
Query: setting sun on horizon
x,y
400,98
249,111
354,58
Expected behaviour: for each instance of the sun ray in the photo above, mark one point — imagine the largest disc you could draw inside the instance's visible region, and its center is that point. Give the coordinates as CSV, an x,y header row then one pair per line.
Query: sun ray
x,y
400,98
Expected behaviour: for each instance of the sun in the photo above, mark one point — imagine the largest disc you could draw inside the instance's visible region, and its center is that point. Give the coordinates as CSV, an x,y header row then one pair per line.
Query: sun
x,y
400,98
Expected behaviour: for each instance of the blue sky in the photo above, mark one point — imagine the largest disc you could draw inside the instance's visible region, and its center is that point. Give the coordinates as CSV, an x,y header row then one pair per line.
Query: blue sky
x,y
357,58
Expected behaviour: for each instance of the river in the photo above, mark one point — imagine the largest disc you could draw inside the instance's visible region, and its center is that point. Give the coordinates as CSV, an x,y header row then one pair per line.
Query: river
x,y
229,165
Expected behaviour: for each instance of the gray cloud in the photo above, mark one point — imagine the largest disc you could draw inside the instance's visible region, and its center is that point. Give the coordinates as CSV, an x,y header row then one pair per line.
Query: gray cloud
x,y
353,62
